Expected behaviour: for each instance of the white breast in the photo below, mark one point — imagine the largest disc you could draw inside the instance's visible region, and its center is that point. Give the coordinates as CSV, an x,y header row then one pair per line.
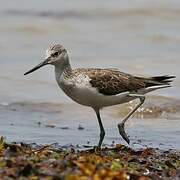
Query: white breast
x,y
79,89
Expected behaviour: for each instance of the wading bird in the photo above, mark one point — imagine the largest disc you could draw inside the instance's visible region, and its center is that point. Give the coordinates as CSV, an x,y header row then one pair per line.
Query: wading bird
x,y
98,88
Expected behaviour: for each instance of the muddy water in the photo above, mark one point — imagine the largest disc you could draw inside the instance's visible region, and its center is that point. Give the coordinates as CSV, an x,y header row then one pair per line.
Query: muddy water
x,y
141,37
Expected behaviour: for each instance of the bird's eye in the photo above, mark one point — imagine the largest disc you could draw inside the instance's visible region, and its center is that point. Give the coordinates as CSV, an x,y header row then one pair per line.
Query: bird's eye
x,y
55,54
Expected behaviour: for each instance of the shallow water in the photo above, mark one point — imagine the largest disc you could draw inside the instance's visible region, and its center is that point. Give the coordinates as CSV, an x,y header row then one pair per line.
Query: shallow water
x,y
141,37
75,125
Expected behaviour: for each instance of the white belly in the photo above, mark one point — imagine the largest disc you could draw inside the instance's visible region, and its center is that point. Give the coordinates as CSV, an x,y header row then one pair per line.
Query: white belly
x,y
89,96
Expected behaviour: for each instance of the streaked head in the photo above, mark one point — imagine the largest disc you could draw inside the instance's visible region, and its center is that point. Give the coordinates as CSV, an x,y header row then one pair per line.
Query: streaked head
x,y
55,54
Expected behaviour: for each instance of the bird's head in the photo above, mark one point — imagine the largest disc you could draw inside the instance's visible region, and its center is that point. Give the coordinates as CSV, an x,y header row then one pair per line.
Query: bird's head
x,y
55,55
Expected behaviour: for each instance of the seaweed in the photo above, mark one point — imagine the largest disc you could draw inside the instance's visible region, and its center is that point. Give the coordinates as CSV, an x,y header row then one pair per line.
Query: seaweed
x,y
23,161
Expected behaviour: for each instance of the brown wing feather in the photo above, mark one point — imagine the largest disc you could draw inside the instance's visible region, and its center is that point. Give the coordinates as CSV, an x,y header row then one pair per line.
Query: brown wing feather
x,y
111,82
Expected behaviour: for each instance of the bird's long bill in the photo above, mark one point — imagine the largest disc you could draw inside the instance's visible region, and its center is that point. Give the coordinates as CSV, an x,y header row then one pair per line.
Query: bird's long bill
x,y
36,67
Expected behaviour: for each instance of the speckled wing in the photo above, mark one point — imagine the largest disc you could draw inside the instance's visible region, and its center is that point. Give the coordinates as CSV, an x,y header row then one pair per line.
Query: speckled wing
x,y
112,82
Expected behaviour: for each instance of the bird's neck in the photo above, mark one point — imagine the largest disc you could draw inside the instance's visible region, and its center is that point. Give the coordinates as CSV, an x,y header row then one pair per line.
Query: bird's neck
x,y
63,68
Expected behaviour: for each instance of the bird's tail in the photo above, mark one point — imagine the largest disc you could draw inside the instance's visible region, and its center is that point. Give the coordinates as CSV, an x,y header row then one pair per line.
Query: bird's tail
x,y
166,80
157,80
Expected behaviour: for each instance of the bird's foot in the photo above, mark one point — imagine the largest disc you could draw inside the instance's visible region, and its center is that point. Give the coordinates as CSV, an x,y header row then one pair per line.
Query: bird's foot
x,y
123,133
97,149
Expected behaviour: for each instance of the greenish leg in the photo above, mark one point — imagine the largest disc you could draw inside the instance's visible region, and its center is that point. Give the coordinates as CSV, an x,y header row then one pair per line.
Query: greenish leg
x,y
102,131
121,125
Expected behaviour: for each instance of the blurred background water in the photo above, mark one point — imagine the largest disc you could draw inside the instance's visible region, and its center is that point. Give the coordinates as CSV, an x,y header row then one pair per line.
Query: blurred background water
x,y
140,37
